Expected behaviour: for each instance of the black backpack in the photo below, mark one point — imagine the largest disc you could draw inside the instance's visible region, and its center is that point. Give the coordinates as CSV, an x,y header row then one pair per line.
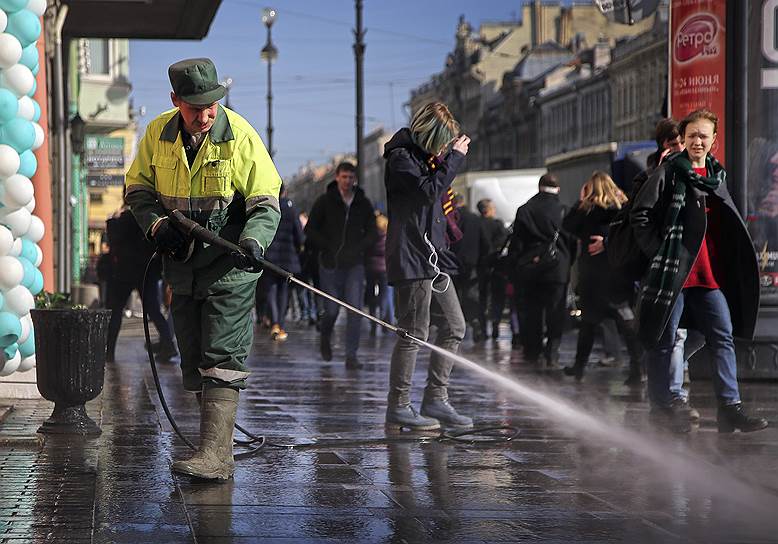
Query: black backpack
x,y
624,255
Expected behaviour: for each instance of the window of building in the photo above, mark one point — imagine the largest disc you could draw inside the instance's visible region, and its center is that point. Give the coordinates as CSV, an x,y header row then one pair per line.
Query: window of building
x,y
98,56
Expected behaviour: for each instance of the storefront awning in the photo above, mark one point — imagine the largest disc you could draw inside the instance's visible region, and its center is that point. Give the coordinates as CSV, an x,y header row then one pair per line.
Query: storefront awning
x,y
140,19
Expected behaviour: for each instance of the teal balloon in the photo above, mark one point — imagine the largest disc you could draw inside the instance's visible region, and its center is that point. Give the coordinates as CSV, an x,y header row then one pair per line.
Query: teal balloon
x,y
18,133
2,300
36,116
9,106
10,351
29,272
28,164
11,6
25,26
34,87
35,69
27,347
30,56
28,250
10,328
37,283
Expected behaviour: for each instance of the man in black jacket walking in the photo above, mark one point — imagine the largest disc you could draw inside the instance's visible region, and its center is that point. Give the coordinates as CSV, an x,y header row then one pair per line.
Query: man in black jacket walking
x,y
342,225
469,250
538,226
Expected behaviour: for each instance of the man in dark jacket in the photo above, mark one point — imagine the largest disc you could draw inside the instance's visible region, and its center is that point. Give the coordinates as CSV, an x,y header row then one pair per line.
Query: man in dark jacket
x,y
469,250
342,226
491,285
538,223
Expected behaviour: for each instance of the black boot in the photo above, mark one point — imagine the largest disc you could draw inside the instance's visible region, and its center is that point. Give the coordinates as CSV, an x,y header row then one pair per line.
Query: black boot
x,y
733,417
576,370
325,348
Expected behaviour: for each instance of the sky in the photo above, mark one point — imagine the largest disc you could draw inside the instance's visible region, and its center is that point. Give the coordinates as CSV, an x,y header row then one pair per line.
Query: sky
x,y
313,77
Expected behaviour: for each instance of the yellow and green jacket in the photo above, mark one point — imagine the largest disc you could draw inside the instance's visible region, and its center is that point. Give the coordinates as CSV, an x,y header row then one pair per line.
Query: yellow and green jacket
x,y
231,189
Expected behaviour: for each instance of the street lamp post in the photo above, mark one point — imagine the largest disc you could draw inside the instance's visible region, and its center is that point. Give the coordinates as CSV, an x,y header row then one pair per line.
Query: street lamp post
x,y
269,54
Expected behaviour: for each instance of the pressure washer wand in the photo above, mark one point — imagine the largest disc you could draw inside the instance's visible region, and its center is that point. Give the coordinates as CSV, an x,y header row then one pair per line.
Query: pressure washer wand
x,y
206,236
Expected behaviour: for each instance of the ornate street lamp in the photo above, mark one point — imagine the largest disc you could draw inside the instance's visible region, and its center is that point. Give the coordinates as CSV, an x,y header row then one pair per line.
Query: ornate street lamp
x,y
269,54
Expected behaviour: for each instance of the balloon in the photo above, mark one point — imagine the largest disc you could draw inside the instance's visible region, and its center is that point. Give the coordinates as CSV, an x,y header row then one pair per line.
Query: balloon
x,y
34,87
17,191
18,79
27,347
29,251
30,206
11,6
16,248
10,364
29,272
25,25
28,164
11,273
9,161
28,363
6,241
35,69
9,105
29,56
10,328
3,20
18,133
38,7
36,230
26,323
37,283
19,301
18,221
36,117
39,135
26,108
10,51
2,300
39,259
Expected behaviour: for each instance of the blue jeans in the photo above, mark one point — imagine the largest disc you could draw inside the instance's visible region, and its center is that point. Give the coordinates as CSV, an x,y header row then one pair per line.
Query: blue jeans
x,y
278,300
347,284
687,343
710,313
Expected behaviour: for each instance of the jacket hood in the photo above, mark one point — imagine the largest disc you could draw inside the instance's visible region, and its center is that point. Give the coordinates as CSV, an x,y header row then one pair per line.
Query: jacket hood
x,y
332,191
401,139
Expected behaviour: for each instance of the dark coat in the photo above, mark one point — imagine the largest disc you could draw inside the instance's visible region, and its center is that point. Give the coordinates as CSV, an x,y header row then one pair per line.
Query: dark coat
x,y
473,246
495,232
376,257
739,267
413,193
129,249
598,285
535,224
284,250
341,233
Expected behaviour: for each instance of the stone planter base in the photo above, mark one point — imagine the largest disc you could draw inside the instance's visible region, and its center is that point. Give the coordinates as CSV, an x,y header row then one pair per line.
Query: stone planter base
x,y
70,420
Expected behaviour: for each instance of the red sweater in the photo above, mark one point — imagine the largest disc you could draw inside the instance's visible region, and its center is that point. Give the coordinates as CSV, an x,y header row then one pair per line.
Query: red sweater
x,y
703,272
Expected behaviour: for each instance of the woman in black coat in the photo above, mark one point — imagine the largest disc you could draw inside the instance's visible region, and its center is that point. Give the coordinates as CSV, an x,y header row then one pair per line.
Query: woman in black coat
x,y
603,293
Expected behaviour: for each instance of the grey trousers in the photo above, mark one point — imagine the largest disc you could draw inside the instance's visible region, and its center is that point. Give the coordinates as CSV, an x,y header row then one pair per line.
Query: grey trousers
x,y
416,305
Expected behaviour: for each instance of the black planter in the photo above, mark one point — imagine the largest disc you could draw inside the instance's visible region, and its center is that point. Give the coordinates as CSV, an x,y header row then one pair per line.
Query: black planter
x,y
70,362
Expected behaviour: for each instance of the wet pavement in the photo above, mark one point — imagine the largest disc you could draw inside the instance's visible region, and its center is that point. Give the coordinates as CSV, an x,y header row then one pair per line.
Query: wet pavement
x,y
552,483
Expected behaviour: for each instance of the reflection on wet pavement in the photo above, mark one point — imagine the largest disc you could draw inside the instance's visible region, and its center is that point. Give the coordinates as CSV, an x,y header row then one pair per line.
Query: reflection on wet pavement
x,y
550,484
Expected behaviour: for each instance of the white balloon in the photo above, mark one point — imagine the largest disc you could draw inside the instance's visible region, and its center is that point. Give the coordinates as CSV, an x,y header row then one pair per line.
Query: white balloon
x,y
39,258
16,248
39,136
18,221
27,364
19,301
9,160
36,229
38,7
6,241
18,79
11,272
10,366
18,191
10,50
3,20
26,322
30,205
26,109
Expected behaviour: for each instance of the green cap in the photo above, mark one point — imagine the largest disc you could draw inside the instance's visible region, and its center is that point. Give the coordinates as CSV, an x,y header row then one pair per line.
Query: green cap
x,y
195,82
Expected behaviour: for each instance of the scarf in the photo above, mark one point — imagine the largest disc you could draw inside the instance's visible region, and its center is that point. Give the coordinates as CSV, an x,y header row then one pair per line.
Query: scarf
x,y
658,285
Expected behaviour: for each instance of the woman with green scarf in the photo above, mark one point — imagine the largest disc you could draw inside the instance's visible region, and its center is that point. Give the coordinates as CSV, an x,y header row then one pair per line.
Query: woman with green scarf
x,y
703,273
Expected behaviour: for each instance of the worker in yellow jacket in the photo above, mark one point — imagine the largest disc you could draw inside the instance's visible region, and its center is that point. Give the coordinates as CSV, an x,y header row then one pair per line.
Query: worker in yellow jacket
x,y
209,163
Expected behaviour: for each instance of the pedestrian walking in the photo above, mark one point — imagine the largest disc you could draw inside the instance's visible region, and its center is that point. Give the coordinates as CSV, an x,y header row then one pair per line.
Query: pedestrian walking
x,y
491,279
470,250
421,163
703,270
379,294
542,255
603,293
208,162
342,227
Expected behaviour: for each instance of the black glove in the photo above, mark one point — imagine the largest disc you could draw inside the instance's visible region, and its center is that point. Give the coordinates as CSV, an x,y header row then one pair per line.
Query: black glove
x,y
250,259
168,239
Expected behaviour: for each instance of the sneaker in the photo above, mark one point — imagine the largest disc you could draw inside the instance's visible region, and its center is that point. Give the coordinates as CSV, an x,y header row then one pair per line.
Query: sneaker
x,y
671,418
166,352
683,406
442,410
732,417
325,348
277,333
406,417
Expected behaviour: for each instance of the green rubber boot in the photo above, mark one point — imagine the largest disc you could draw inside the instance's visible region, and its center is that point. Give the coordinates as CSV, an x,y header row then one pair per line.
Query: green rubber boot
x,y
213,460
